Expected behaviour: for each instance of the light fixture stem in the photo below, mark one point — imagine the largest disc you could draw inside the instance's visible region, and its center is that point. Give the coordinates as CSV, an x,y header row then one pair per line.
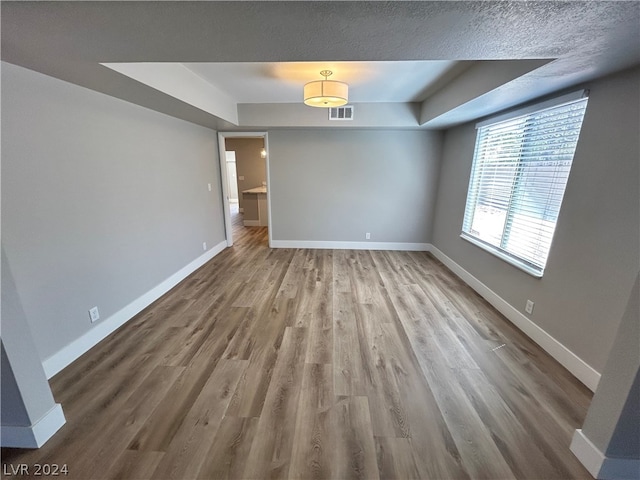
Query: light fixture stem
x,y
326,73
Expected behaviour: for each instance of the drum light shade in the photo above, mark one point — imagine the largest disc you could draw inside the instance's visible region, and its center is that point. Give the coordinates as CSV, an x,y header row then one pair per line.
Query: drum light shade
x,y
326,93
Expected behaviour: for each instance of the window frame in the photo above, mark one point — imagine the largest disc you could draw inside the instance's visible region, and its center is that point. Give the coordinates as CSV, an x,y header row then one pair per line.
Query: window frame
x,y
511,258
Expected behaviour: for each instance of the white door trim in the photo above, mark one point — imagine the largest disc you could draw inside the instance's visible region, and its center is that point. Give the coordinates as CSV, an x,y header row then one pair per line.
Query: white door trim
x,y
225,175
224,180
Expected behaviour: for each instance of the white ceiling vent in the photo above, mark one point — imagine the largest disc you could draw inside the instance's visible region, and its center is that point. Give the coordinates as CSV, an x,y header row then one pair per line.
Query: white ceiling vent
x,y
341,113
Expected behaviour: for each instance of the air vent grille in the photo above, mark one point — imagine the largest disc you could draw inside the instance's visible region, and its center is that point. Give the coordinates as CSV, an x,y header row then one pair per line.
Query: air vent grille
x,y
341,113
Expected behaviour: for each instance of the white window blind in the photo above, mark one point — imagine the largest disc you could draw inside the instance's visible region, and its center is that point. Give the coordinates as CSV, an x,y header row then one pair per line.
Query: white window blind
x,y
520,170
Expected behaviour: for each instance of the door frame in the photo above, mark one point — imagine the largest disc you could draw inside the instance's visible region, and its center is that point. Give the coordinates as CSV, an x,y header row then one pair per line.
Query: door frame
x,y
224,177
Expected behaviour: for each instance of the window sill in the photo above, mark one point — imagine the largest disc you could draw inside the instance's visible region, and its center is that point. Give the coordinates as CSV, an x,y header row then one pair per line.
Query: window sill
x,y
502,256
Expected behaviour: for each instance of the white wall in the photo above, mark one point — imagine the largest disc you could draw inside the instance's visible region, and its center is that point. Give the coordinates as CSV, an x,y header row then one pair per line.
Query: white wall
x,y
102,200
336,185
596,250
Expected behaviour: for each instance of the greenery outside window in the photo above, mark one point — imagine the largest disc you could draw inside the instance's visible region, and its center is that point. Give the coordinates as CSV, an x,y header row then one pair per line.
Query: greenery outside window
x,y
520,170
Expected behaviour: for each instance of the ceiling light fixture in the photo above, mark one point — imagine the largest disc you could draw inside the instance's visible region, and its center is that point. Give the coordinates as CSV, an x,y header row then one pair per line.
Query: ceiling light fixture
x,y
326,93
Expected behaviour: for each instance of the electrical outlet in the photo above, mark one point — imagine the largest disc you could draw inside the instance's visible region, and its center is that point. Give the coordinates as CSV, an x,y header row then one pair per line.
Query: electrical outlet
x,y
529,307
241,177
204,246
94,314
209,186
367,236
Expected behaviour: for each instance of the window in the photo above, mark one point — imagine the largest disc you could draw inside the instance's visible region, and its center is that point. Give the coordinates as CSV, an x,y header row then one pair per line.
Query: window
x,y
520,170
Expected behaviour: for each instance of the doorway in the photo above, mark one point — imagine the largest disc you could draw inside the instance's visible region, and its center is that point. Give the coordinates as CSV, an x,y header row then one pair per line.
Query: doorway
x,y
230,170
232,178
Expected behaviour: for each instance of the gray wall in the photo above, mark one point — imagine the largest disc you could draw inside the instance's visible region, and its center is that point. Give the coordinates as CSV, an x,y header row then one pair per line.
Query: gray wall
x,y
26,396
336,185
13,410
613,420
296,115
102,200
625,442
595,254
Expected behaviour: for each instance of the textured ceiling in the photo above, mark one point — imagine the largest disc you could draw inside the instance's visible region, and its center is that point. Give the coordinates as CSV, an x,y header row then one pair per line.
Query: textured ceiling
x,y
70,40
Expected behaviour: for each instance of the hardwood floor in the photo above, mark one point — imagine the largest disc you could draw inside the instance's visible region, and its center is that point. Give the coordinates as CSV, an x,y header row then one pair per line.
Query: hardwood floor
x,y
316,364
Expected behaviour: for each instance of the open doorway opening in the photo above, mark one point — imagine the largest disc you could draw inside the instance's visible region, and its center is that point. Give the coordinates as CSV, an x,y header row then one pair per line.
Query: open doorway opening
x,y
232,180
244,165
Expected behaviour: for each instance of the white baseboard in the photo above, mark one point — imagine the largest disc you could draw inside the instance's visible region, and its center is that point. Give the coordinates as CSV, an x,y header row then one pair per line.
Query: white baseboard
x,y
598,464
578,367
251,223
68,354
36,435
414,247
587,453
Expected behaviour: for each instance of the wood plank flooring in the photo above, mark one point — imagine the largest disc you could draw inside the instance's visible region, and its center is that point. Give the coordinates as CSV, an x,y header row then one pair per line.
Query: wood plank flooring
x,y
316,364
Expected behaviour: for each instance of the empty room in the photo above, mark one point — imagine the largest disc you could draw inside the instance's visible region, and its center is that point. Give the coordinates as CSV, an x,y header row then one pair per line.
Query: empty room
x,y
320,240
